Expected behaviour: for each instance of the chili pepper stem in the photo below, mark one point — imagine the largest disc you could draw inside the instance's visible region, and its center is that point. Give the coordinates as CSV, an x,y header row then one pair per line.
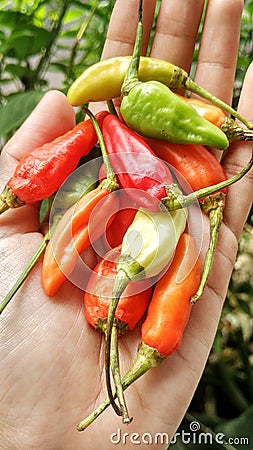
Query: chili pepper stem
x,y
33,261
3,206
194,87
146,358
8,200
117,377
213,206
120,282
131,77
236,133
110,174
176,201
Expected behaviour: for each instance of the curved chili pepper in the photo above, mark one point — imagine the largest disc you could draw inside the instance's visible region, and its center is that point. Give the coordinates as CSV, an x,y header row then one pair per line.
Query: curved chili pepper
x,y
42,171
137,168
153,110
73,234
103,81
168,314
202,171
131,308
147,248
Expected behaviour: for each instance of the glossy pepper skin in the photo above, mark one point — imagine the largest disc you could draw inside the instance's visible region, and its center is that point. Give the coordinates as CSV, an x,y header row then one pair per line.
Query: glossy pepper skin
x,y
153,110
194,162
170,308
43,170
103,80
138,169
133,302
73,235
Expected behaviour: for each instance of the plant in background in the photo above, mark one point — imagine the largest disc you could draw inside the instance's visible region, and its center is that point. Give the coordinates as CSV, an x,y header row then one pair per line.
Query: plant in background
x,y
42,47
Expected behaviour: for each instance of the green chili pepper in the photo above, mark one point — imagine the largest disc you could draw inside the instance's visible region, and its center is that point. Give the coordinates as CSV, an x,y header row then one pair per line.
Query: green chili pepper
x,y
153,110
103,81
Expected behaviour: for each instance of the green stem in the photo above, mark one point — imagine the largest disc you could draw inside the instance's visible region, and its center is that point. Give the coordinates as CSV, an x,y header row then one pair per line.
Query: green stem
x,y
111,107
79,36
146,358
174,201
108,167
33,261
194,87
47,53
119,286
214,207
115,369
131,77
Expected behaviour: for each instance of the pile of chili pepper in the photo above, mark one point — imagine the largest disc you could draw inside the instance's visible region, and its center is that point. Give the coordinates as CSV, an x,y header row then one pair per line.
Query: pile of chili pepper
x,y
136,220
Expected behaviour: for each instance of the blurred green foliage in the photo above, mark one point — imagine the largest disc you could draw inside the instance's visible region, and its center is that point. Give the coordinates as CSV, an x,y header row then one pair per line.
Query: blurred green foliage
x,y
46,44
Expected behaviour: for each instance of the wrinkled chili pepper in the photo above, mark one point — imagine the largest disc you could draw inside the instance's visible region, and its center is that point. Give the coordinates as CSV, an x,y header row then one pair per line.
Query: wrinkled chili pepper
x,y
131,308
138,169
42,171
167,317
201,170
147,248
104,80
153,110
72,189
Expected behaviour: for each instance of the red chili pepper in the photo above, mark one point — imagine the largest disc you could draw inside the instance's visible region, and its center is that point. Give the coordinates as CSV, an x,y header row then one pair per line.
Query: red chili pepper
x,y
135,164
122,220
74,233
168,314
133,302
42,171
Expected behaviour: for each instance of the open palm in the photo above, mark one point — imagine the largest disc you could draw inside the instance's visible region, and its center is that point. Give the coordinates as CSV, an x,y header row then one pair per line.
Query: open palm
x,y
52,371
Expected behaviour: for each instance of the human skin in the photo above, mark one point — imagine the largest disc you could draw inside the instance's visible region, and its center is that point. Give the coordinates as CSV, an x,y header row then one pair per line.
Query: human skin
x,y
52,370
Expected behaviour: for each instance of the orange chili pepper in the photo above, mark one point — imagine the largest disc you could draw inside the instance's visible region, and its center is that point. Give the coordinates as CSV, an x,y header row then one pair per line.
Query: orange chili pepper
x,y
210,112
168,314
74,233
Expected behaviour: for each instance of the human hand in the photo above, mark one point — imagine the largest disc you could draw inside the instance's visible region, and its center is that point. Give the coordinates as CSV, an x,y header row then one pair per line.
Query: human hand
x,y
52,368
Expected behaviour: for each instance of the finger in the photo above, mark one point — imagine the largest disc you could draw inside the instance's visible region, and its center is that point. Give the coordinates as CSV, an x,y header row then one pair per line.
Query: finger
x,y
219,47
240,196
122,28
176,31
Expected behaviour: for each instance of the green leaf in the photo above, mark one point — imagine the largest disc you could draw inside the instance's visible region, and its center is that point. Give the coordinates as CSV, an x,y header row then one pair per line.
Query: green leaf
x,y
26,42
18,108
239,429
